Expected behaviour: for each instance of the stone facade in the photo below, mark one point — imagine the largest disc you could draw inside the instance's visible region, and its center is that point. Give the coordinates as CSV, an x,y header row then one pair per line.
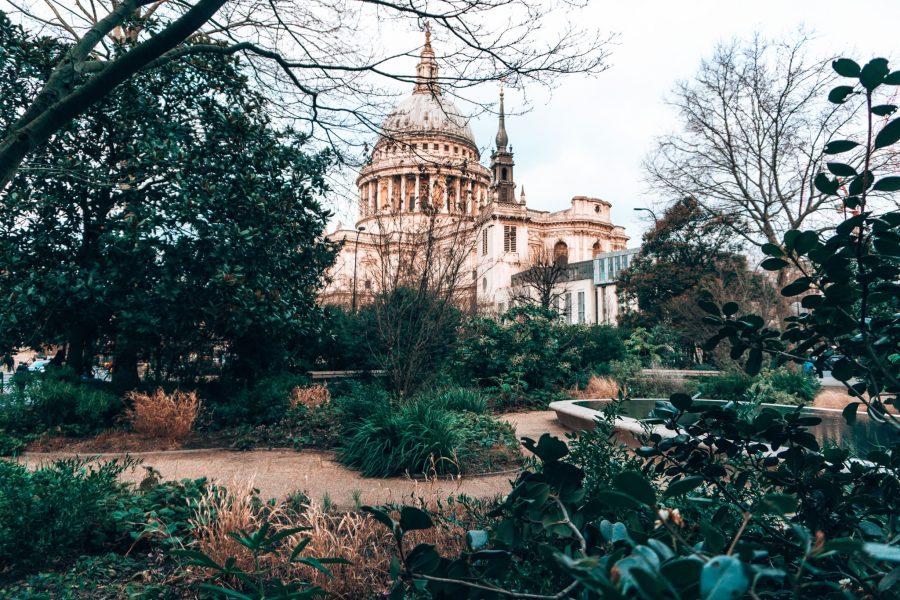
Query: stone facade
x,y
426,168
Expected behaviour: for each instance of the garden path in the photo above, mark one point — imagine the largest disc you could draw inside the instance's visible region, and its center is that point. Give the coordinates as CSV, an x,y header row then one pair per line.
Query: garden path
x,y
279,472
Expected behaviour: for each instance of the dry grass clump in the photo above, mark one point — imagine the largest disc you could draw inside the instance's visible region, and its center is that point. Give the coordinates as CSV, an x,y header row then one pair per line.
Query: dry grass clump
x,y
353,536
310,397
161,415
598,387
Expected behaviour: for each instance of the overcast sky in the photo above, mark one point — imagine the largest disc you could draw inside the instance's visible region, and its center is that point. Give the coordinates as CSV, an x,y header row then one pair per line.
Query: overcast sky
x,y
589,138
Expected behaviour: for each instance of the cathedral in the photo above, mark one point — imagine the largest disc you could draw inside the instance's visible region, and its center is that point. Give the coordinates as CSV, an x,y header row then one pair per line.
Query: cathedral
x,y
425,178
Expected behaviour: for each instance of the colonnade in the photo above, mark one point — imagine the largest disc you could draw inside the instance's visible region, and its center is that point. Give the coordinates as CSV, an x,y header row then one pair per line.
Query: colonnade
x,y
408,192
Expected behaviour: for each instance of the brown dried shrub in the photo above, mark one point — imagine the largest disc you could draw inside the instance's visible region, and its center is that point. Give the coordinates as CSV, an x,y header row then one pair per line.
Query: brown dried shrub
x,y
353,536
310,397
598,387
161,415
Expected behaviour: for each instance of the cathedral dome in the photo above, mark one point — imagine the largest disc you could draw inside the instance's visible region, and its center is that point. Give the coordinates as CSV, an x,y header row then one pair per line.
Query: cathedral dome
x,y
427,114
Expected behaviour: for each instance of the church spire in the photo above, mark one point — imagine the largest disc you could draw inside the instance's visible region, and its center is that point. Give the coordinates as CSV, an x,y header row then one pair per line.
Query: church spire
x,y
502,139
427,69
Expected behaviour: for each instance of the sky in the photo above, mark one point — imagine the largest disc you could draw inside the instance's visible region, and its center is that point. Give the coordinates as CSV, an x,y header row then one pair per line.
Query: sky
x,y
590,136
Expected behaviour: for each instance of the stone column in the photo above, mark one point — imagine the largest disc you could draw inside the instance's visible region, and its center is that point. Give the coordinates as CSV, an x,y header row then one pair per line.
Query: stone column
x,y
372,206
418,201
430,199
391,192
404,201
459,198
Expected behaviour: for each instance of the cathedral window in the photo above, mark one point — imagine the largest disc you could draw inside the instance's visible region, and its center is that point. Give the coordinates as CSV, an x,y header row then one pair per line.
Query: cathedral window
x,y
434,146
509,238
446,147
455,149
567,311
503,174
484,284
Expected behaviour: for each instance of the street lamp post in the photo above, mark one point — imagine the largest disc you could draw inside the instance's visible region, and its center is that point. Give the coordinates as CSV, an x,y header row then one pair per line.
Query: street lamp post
x,y
355,251
652,214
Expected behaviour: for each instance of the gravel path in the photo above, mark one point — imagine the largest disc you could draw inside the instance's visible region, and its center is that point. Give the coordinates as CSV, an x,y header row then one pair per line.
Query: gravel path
x,y
279,472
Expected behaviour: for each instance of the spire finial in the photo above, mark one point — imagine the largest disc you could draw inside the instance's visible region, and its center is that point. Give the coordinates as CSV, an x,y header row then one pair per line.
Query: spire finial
x,y
502,139
427,69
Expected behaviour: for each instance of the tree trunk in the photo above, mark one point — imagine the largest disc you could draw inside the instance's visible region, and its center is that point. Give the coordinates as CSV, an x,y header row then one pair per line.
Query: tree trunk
x,y
77,354
125,369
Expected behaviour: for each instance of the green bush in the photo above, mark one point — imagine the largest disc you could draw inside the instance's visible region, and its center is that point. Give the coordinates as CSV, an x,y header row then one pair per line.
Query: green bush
x,y
416,437
56,512
422,436
801,386
729,385
55,400
462,400
356,400
265,401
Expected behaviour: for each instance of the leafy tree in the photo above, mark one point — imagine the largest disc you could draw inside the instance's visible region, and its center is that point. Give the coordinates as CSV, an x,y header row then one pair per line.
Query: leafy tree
x,y
177,218
691,254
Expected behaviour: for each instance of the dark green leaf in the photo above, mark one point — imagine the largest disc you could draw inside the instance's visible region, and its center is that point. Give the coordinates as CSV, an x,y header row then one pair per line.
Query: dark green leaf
x,y
380,516
615,499
861,183
887,184
798,286
681,401
730,308
548,448
873,73
849,412
884,110
723,578
754,362
710,307
846,67
683,486
774,264
413,518
839,94
893,78
780,504
888,135
841,169
772,250
839,146
635,485
826,184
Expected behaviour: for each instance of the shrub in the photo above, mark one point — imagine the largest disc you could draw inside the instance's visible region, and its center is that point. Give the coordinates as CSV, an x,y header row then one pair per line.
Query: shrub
x,y
263,402
462,400
161,415
599,387
415,438
52,400
357,400
56,512
729,385
801,386
310,397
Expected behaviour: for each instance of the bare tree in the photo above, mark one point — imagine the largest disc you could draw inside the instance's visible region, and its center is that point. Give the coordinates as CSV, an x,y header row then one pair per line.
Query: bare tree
x,y
422,273
539,281
754,124
325,63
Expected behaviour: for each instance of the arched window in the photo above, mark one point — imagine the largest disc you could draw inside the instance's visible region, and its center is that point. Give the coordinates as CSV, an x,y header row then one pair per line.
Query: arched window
x,y
503,174
597,249
484,284
561,252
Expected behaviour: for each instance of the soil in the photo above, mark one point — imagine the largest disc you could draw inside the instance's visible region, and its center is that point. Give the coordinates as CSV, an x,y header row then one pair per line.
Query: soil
x,y
279,472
